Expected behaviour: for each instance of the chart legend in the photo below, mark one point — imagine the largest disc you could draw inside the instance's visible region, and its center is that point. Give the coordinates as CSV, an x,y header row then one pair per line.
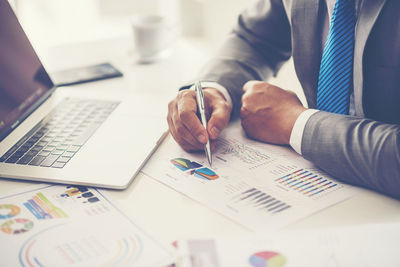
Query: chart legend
x,y
307,182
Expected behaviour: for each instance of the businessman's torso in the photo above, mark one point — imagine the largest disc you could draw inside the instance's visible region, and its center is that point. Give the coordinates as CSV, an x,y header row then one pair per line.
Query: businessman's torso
x,y
376,53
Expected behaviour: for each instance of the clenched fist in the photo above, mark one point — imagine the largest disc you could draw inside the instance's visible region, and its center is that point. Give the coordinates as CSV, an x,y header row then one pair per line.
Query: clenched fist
x,y
268,112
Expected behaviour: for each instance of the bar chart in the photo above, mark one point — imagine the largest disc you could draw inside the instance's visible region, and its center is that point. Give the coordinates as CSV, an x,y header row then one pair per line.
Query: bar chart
x,y
256,200
42,208
307,182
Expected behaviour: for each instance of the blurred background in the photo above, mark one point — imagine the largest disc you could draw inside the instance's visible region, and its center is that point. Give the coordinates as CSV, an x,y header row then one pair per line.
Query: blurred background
x,y
54,22
203,25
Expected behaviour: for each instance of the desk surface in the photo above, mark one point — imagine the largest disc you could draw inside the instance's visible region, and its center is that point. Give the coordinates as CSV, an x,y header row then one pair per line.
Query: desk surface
x,y
172,215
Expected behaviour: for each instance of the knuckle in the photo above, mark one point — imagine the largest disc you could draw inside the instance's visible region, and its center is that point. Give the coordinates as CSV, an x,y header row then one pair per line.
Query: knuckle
x,y
185,93
184,115
180,130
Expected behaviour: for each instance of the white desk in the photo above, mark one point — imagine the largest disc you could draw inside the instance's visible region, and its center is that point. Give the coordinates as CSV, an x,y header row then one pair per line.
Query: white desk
x,y
164,212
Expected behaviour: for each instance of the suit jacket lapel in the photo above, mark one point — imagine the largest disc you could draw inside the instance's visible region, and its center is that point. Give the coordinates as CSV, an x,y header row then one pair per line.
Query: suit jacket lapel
x,y
306,28
368,14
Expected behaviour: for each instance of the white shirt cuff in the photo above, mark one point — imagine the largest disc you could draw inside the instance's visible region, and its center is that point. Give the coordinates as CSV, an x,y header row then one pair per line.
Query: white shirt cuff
x,y
220,88
296,135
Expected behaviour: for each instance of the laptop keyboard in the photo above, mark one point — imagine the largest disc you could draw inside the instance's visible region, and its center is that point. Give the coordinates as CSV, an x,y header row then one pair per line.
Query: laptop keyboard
x,y
61,134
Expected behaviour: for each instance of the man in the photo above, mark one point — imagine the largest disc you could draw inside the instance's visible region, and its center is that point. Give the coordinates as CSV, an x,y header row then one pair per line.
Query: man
x,y
347,58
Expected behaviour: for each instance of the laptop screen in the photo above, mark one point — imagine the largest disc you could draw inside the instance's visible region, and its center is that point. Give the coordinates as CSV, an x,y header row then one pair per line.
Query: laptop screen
x,y
23,80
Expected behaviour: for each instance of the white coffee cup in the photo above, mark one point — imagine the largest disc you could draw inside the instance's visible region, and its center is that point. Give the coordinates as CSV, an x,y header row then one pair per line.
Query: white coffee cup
x,y
153,35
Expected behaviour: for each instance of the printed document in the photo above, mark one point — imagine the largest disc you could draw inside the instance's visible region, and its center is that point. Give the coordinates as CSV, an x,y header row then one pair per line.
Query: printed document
x,y
261,186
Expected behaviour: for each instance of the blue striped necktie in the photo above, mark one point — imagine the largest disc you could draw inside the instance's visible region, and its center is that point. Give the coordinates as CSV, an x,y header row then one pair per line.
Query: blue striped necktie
x,y
335,81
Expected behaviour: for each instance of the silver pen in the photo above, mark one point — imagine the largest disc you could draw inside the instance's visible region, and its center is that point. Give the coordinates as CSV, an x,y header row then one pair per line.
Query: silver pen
x,y
202,110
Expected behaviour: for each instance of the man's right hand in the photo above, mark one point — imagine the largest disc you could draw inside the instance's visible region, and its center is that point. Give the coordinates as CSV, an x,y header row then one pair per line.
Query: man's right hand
x,y
186,127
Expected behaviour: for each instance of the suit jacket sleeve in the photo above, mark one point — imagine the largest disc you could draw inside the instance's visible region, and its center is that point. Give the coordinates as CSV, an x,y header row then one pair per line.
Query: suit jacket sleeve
x,y
356,150
254,50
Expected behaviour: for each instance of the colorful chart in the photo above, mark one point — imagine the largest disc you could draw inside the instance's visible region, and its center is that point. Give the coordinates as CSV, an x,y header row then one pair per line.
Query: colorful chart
x,y
205,173
42,208
194,168
267,259
11,210
16,226
307,182
80,192
185,164
257,200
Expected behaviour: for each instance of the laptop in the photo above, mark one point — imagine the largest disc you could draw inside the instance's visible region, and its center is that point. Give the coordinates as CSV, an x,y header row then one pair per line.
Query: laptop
x,y
49,134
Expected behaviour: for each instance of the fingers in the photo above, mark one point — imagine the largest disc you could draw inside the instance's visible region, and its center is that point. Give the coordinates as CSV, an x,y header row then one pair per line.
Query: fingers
x,y
251,84
182,142
219,119
187,108
186,127
183,123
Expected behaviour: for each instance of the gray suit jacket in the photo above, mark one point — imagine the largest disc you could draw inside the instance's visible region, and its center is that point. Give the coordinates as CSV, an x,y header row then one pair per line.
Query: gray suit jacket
x,y
363,149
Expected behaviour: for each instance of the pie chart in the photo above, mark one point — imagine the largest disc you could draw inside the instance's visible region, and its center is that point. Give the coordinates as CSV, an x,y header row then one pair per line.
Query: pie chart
x,y
267,259
8,211
16,226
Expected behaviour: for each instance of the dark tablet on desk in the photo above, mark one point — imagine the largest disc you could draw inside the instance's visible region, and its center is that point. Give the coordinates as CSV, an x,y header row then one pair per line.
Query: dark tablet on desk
x,y
85,74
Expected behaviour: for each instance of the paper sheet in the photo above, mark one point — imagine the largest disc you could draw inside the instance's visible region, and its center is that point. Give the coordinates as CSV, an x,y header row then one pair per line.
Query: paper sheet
x,y
50,225
361,246
261,186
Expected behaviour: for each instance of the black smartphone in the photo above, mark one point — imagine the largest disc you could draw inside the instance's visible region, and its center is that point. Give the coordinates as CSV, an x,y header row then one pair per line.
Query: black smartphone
x,y
85,74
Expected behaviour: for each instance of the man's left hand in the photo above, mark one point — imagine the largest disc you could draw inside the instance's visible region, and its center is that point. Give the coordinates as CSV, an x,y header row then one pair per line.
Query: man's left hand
x,y
268,112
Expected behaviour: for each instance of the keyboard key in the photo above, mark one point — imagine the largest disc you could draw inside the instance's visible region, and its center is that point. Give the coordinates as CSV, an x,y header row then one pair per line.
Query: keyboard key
x,y
73,148
58,164
12,160
42,143
63,159
48,148
68,154
57,152
44,153
25,159
31,153
62,147
37,160
49,161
